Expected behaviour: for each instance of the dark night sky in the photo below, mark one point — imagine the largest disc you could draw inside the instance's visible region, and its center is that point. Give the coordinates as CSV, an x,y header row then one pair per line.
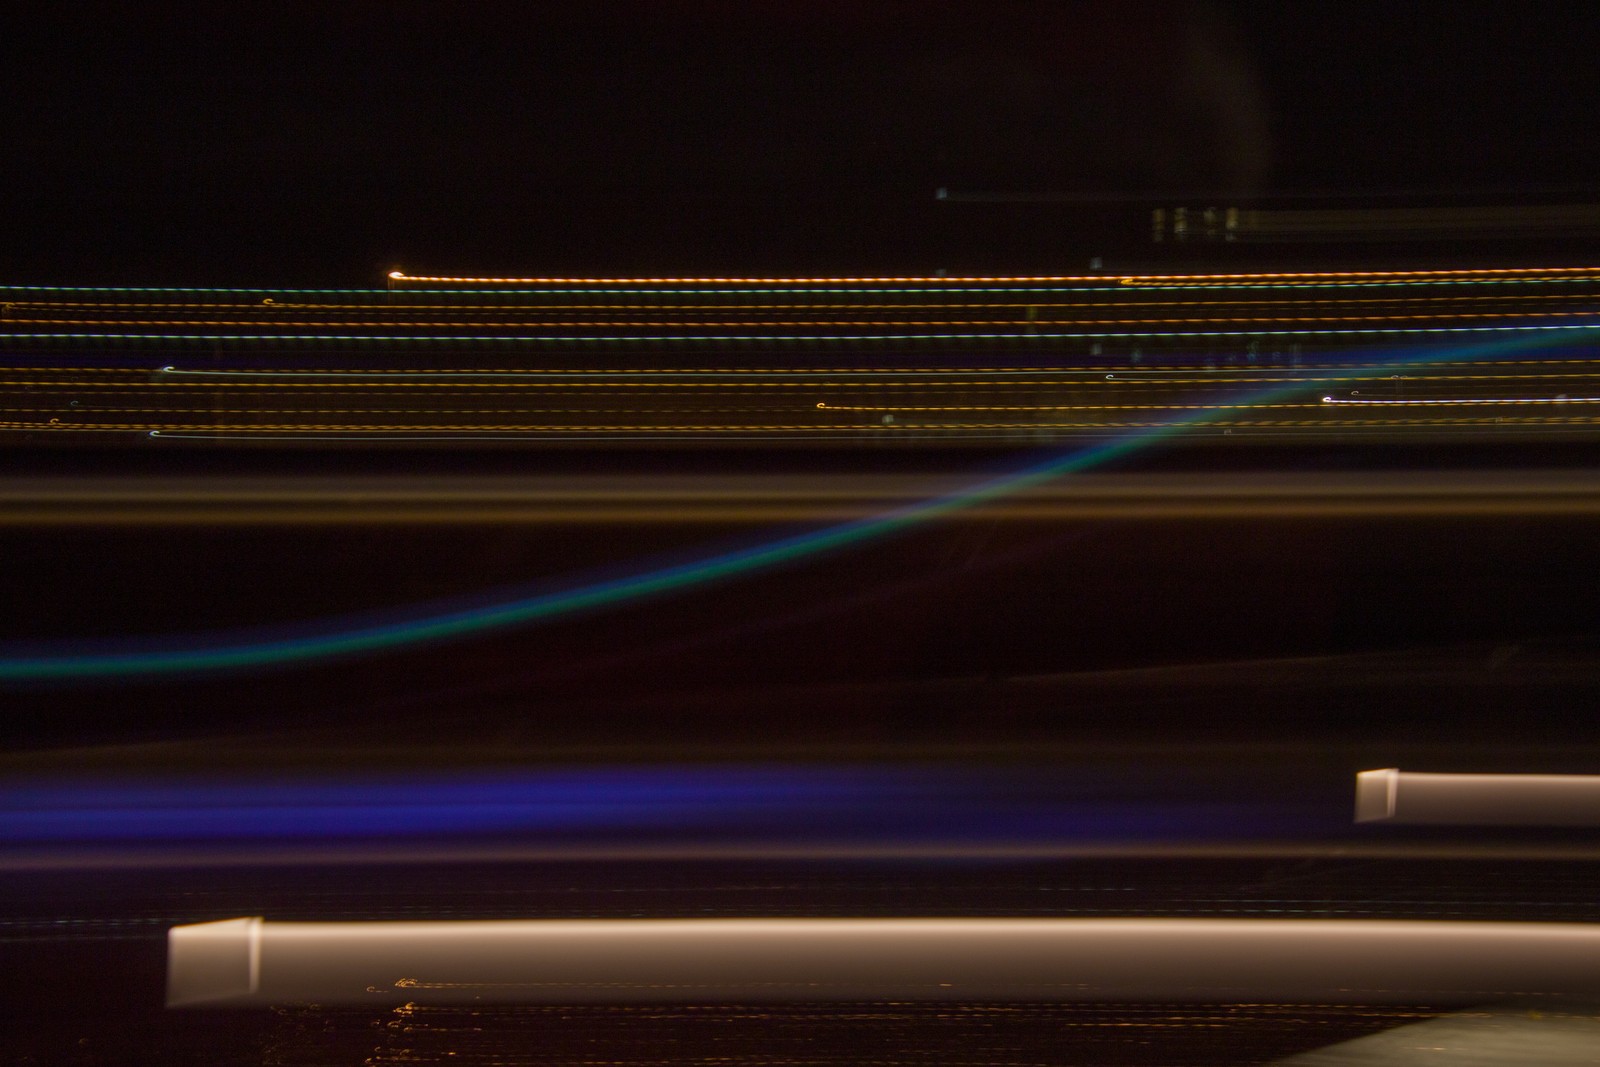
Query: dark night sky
x,y
322,144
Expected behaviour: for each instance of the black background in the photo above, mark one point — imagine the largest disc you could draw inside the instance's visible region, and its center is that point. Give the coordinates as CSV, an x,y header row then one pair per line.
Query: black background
x,y
303,144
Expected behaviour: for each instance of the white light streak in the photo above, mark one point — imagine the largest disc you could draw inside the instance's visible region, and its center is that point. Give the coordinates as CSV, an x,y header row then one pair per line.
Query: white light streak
x,y
249,961
1391,795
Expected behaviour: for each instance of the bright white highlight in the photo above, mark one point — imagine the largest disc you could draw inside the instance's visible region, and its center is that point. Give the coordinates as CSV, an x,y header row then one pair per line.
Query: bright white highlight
x,y
755,960
211,961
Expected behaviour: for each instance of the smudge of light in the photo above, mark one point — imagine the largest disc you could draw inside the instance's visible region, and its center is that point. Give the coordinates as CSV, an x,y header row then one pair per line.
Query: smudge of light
x,y
71,661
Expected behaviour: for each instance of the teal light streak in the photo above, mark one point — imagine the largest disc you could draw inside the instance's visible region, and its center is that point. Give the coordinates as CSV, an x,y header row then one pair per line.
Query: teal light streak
x,y
550,605
143,662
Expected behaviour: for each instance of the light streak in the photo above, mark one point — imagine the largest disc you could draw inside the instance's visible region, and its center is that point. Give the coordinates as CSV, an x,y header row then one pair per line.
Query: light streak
x,y
251,961
1478,799
1122,374
458,850
410,308
630,430
800,320
513,339
29,501
1050,407
709,806
939,280
930,286
401,276
667,799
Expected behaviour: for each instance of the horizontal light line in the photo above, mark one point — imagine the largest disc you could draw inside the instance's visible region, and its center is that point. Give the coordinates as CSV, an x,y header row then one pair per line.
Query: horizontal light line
x,y
413,307
1399,402
896,427
377,500
396,275
1096,284
792,321
798,338
104,857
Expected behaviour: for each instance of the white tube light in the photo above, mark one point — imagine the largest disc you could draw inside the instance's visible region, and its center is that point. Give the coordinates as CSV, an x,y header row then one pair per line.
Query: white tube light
x,y
1397,796
248,961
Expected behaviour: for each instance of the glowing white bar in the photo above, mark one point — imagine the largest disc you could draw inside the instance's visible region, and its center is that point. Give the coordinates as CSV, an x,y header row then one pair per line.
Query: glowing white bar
x,y
1478,799
754,960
